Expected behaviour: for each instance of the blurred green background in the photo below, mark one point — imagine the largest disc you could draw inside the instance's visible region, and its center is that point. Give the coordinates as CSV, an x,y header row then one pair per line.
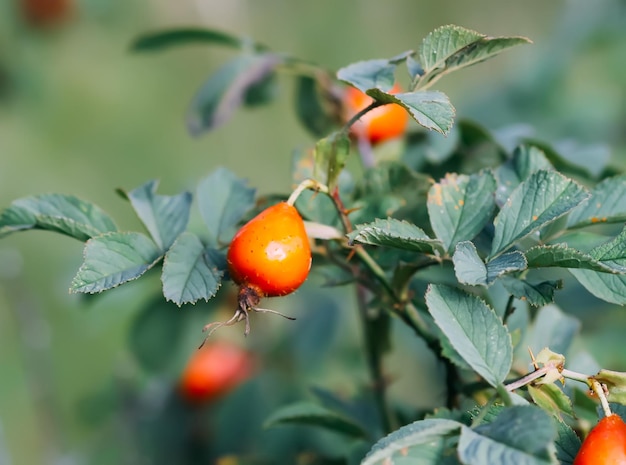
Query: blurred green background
x,y
80,114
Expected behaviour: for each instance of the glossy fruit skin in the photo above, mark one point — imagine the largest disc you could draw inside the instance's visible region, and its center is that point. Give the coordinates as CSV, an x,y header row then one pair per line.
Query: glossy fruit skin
x,y
270,255
605,444
214,370
382,123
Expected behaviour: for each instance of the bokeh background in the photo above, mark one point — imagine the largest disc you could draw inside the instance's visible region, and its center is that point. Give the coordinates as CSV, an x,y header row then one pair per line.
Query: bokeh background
x,y
80,114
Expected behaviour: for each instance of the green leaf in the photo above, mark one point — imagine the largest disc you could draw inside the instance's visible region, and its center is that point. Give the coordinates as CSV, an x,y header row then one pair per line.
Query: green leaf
x,y
612,253
157,321
430,109
397,234
563,256
223,198
605,205
370,74
449,48
422,442
526,160
164,216
226,89
189,271
520,435
552,399
468,266
611,288
536,294
460,206
112,259
331,154
470,269
64,214
473,329
567,444
159,40
308,413
316,106
442,43
541,199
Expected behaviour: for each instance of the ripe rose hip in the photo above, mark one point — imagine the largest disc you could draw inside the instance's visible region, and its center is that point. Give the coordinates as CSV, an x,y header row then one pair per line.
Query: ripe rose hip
x,y
214,370
269,256
378,125
605,444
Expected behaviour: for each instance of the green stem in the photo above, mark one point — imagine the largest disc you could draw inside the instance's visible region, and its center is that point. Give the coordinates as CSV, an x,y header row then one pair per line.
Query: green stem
x,y
508,311
374,362
599,390
504,394
360,114
304,185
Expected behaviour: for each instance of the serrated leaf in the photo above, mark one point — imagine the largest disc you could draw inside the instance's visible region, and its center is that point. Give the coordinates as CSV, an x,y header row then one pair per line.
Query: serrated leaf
x,y
430,109
473,329
308,413
164,216
608,287
64,214
612,253
505,263
536,294
442,43
552,399
112,259
370,74
470,269
562,256
331,154
159,40
605,205
611,288
521,435
156,322
223,198
420,442
567,444
468,266
541,199
190,272
397,234
226,89
450,47
526,160
459,206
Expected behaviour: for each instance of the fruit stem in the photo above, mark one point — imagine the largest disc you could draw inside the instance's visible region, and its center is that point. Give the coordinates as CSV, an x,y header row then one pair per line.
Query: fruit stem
x,y
304,185
360,114
597,387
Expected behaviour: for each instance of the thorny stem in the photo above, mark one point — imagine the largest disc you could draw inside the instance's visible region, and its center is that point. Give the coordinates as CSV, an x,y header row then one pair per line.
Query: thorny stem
x,y
403,308
529,378
590,381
